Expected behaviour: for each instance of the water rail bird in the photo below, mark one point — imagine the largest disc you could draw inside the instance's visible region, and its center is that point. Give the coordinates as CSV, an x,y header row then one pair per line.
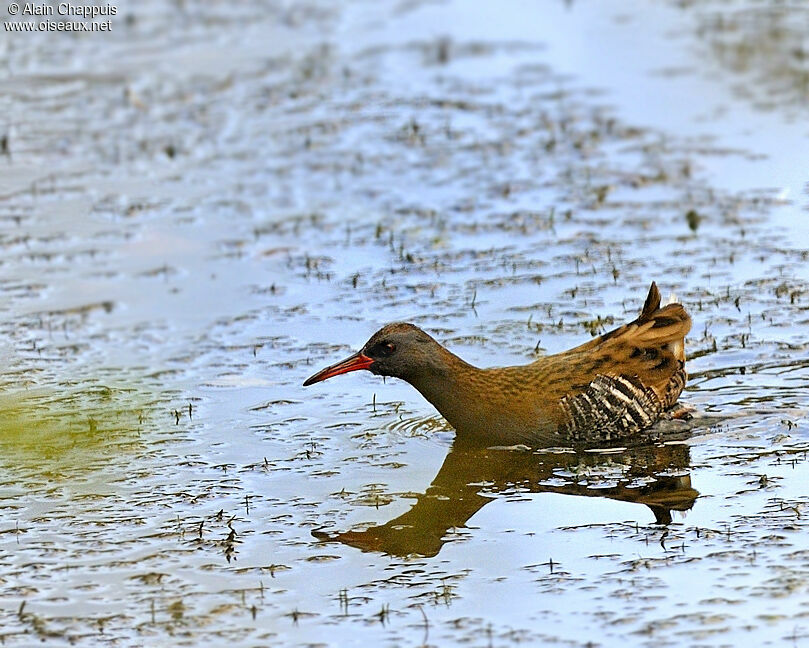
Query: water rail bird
x,y
609,389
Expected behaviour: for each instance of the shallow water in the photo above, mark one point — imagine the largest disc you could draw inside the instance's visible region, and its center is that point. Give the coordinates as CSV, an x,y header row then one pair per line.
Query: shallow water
x,y
197,214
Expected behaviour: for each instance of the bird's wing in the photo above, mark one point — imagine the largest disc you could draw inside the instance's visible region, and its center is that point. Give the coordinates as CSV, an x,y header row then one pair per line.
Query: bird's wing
x,y
620,382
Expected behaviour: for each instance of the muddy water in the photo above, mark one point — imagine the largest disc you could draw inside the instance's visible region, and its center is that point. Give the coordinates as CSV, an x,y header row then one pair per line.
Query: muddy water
x,y
199,212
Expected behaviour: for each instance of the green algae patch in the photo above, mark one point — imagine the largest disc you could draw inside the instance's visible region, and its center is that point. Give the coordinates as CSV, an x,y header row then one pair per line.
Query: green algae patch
x,y
49,424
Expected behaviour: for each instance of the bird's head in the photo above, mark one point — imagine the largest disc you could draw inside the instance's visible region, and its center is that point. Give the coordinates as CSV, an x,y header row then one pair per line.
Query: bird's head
x,y
399,350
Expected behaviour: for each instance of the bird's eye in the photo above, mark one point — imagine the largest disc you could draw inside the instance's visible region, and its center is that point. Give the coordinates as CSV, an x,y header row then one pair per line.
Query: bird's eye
x,y
387,348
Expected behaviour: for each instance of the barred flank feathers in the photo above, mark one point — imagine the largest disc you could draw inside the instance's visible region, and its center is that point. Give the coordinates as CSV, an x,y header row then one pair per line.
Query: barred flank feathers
x,y
611,407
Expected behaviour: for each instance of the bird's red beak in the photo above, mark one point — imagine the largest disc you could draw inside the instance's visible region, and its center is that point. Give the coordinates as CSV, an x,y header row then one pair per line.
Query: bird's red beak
x,y
353,363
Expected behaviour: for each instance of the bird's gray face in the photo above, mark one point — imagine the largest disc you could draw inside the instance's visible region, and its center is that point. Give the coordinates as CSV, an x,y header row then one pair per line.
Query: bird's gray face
x,y
397,350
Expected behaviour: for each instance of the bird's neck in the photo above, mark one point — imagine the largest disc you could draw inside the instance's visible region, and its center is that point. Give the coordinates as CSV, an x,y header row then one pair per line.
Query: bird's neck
x,y
455,388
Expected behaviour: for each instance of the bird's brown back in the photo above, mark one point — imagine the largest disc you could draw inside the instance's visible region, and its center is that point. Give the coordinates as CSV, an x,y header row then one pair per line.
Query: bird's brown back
x,y
608,388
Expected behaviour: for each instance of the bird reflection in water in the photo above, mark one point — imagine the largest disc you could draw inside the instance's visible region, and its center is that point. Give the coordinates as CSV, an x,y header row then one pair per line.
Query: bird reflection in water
x,y
653,475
